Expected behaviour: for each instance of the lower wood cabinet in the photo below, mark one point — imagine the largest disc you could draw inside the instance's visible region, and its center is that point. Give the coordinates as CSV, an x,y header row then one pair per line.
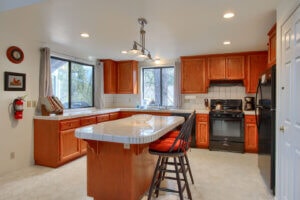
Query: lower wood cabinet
x,y
69,145
251,134
202,131
54,140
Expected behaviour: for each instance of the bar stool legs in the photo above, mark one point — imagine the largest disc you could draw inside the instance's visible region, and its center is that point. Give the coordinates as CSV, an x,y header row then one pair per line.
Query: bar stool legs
x,y
179,169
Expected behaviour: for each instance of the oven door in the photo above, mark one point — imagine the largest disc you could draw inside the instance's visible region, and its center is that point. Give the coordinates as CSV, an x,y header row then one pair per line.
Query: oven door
x,y
227,128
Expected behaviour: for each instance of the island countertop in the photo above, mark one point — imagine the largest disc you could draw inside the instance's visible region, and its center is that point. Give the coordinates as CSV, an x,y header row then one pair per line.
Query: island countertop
x,y
130,131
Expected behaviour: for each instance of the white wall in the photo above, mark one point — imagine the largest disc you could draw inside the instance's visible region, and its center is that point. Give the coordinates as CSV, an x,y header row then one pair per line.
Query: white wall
x,y
17,135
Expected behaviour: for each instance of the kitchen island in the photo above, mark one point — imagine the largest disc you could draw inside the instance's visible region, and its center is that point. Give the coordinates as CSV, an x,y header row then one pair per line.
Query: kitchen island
x,y
118,163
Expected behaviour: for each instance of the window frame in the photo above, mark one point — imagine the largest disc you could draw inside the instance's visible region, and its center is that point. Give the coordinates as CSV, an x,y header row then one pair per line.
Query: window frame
x,y
70,76
161,93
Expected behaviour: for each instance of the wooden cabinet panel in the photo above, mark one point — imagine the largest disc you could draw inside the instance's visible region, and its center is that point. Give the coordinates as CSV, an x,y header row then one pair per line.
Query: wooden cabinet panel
x,y
202,130
102,118
110,76
193,76
69,145
68,124
88,120
226,67
235,68
127,77
216,68
272,47
251,134
256,64
83,146
114,116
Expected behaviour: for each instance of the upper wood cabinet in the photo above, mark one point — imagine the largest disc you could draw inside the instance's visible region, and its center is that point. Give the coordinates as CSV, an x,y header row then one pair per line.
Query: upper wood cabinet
x,y
127,77
256,64
193,75
120,77
272,46
110,76
226,67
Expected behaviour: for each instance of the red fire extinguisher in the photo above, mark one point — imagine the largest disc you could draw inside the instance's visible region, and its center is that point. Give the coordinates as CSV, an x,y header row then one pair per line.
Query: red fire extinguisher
x,y
18,108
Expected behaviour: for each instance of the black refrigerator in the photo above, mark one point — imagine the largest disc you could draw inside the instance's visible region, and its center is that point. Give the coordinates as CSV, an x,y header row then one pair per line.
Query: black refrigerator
x,y
265,120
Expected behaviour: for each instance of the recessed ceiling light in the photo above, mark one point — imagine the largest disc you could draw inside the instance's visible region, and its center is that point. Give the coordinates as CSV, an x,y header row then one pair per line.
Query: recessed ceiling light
x,y
226,42
228,15
84,35
124,52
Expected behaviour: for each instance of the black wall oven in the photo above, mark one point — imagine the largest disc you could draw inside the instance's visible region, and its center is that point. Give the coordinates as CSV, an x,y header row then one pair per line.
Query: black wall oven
x,y
227,126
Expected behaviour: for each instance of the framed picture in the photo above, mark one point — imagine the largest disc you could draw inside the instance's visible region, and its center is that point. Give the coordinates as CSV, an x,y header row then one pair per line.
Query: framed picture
x,y
14,81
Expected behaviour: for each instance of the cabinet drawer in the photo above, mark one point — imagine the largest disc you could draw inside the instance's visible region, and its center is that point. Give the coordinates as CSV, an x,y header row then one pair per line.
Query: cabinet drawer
x,y
64,125
113,116
201,118
88,120
102,118
250,119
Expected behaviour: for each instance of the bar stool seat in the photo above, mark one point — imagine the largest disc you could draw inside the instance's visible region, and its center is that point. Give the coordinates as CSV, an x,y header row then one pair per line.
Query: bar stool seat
x,y
171,151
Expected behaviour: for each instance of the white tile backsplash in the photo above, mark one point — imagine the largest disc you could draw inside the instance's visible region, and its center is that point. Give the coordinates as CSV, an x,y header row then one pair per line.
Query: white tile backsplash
x,y
189,101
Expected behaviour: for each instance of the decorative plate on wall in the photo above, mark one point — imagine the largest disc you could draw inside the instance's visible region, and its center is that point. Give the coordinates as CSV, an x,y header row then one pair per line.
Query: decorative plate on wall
x,y
15,54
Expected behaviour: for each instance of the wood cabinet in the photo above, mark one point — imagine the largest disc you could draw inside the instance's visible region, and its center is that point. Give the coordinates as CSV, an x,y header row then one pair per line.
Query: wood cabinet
x,y
256,65
193,75
272,47
226,67
85,121
202,130
55,142
120,77
114,116
127,77
251,134
110,76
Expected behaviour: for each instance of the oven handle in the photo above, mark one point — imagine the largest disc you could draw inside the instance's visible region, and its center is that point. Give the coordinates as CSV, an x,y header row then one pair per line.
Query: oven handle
x,y
227,118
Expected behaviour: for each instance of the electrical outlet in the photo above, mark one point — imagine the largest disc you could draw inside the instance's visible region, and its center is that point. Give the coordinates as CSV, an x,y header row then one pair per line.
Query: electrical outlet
x,y
126,146
12,155
33,103
28,104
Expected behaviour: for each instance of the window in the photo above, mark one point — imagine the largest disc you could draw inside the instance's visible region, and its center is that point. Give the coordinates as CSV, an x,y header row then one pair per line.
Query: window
x,y
73,83
158,86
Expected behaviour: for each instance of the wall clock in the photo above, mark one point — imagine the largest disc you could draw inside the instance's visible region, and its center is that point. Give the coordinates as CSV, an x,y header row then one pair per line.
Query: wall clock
x,y
15,54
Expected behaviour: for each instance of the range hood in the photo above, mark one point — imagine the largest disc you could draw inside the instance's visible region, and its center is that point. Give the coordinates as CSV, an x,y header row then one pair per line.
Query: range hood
x,y
226,83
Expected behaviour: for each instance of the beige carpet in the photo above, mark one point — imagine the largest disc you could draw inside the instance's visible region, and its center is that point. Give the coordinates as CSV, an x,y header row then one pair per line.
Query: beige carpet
x,y
218,176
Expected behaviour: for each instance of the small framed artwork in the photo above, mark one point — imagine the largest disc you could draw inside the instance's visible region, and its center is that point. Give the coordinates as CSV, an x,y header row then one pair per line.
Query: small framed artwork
x,y
14,81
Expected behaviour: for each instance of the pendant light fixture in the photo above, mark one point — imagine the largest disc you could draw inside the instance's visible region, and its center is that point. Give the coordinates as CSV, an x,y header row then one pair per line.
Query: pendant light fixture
x,y
139,48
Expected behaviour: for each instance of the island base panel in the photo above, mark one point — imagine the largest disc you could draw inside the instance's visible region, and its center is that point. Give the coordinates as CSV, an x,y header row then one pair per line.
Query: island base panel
x,y
117,173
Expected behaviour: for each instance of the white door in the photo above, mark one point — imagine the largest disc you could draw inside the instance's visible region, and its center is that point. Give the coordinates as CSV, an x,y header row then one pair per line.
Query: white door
x,y
288,135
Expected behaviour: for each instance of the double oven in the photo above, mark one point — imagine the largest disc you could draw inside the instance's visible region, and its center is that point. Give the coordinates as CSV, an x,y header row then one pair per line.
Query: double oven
x,y
226,119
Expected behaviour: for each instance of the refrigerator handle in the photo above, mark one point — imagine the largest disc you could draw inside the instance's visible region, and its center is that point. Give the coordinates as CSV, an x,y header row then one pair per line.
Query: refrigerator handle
x,y
257,106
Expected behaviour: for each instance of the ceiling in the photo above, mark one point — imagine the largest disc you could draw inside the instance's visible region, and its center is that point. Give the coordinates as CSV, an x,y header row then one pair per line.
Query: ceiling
x,y
175,27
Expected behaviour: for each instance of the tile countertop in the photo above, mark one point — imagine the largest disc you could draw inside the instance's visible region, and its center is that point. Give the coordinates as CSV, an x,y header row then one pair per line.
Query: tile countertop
x,y
129,130
68,114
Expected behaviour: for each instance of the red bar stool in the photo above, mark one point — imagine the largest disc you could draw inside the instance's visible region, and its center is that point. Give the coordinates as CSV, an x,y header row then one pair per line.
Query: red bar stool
x,y
168,149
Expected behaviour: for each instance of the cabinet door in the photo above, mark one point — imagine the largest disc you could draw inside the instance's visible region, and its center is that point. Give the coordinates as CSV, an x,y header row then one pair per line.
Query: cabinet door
x,y
202,131
216,68
272,47
69,145
235,68
256,64
127,72
110,76
193,76
251,137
